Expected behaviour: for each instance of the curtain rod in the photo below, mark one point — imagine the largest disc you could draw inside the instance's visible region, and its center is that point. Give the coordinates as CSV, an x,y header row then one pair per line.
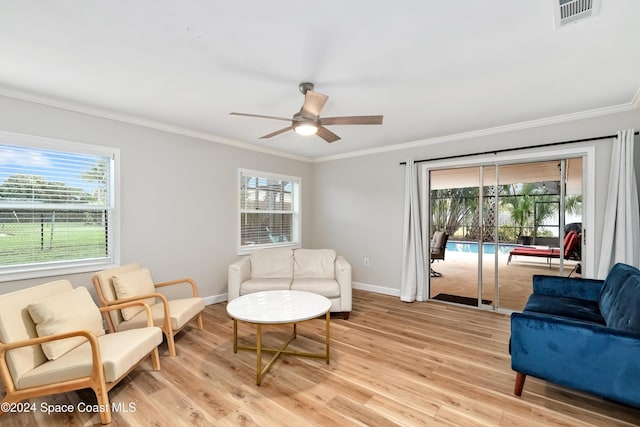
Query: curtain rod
x,y
516,148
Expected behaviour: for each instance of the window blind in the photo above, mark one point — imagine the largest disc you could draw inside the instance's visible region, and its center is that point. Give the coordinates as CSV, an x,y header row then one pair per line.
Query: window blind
x,y
55,207
269,209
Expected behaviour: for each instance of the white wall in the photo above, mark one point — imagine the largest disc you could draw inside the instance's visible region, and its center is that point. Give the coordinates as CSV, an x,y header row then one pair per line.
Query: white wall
x,y
178,195
358,202
354,205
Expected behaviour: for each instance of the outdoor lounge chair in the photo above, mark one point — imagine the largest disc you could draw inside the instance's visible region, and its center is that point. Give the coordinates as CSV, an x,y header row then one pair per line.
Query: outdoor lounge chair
x,y
571,242
438,247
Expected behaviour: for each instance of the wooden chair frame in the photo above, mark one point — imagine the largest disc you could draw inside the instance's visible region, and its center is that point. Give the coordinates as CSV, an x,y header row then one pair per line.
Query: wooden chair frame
x,y
166,326
96,381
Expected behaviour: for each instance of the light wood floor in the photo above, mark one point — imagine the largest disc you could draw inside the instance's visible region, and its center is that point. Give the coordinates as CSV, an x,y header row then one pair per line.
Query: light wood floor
x,y
393,363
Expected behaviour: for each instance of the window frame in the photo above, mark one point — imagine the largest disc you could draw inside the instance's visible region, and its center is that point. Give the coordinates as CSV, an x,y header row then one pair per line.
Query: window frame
x,y
296,222
48,269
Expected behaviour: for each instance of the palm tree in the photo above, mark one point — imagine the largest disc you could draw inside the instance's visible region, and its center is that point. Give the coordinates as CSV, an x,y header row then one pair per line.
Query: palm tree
x,y
530,204
98,173
521,213
573,204
452,207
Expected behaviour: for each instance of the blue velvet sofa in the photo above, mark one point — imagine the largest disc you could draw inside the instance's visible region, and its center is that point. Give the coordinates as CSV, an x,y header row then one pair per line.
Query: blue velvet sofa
x,y
582,333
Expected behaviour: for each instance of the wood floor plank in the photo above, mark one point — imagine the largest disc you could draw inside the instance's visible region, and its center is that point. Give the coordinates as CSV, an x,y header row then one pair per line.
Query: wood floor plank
x,y
392,363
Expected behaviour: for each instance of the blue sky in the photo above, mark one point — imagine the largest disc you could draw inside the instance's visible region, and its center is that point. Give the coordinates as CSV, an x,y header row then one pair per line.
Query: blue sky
x,y
52,165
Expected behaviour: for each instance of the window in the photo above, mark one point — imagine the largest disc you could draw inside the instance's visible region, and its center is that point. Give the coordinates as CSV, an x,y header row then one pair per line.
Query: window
x,y
269,210
56,207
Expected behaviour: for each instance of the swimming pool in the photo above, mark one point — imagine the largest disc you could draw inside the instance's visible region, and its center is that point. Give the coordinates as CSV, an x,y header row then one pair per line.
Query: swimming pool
x,y
472,247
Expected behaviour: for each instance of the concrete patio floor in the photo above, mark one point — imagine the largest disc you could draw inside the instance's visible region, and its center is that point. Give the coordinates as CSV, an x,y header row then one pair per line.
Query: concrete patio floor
x,y
460,277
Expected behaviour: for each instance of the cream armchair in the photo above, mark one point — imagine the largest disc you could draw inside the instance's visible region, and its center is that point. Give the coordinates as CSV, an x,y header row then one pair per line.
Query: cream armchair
x,y
52,341
131,282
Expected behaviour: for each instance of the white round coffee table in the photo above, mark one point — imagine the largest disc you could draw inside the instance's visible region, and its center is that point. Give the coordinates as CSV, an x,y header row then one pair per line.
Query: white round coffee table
x,y
278,307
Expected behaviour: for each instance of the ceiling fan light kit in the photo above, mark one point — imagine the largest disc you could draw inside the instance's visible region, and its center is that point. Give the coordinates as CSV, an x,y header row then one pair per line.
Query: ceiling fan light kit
x,y
303,124
307,121
306,129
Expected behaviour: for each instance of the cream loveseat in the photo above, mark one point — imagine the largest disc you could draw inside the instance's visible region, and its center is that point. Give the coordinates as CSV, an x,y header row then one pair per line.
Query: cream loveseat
x,y
314,270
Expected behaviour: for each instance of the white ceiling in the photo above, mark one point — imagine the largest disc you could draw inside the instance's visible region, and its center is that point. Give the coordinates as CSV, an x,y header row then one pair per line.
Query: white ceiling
x,y
432,68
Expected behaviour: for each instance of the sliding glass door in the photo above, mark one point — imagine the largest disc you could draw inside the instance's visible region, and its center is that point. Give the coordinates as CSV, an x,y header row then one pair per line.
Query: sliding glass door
x,y
505,223
454,209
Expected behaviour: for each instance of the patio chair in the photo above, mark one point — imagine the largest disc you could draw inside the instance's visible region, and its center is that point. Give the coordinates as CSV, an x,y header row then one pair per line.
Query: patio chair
x,y
131,282
52,341
438,248
571,246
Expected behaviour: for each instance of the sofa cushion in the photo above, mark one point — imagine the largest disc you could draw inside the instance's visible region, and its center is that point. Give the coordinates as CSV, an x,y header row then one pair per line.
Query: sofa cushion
x,y
65,312
624,312
314,264
272,263
571,308
326,287
181,311
119,352
618,274
132,284
266,284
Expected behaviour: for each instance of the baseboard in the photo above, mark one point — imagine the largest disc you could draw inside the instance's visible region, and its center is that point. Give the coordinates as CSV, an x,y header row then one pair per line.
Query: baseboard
x,y
214,299
376,289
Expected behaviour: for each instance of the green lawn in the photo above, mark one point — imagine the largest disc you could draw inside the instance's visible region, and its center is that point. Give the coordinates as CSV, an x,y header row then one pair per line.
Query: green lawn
x,y
28,243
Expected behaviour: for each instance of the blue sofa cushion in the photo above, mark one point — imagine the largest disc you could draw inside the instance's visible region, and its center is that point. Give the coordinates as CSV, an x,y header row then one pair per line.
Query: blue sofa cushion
x,y
624,312
620,298
612,285
571,308
570,287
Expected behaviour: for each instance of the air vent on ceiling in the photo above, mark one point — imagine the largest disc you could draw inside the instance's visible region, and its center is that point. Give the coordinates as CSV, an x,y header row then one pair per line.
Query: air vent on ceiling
x,y
567,11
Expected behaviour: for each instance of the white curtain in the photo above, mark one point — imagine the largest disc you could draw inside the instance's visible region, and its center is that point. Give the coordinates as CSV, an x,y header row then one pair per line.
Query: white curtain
x,y
412,281
621,232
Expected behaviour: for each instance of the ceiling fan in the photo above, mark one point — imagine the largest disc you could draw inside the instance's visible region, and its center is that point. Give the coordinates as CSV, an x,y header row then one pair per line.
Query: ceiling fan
x,y
307,121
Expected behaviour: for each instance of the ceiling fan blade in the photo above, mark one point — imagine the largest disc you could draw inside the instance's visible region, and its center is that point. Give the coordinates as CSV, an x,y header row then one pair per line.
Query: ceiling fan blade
x,y
260,116
352,120
313,102
327,135
278,132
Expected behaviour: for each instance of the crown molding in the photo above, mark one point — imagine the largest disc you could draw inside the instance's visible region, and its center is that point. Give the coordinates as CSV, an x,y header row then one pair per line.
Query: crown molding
x,y
135,120
636,99
634,104
604,111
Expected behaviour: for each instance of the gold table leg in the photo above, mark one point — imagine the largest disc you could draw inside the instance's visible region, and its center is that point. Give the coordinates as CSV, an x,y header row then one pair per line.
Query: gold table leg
x,y
260,370
327,332
258,353
235,336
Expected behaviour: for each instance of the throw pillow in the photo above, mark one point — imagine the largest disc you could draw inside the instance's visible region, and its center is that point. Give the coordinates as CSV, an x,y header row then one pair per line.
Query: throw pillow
x,y
132,284
65,312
